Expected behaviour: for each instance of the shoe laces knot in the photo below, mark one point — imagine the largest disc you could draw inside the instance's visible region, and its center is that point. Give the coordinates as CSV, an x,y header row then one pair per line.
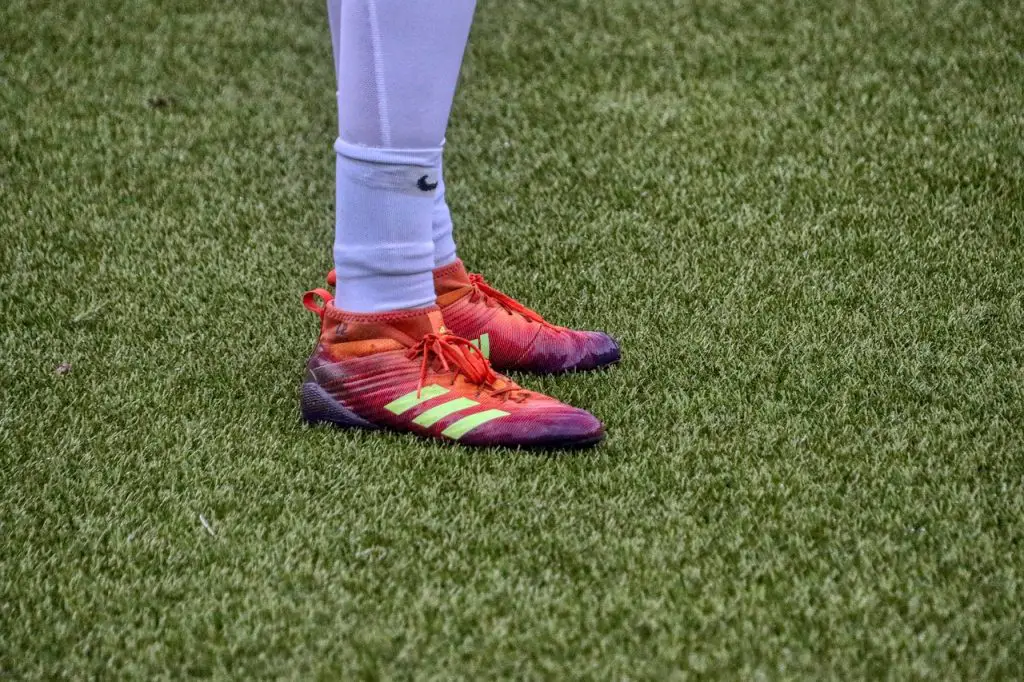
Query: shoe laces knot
x,y
491,295
459,356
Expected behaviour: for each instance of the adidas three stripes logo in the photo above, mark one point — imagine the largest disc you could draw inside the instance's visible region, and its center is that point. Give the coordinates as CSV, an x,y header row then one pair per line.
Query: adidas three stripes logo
x,y
457,429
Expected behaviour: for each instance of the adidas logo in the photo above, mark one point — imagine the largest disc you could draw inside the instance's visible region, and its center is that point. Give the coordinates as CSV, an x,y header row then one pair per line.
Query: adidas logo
x,y
457,429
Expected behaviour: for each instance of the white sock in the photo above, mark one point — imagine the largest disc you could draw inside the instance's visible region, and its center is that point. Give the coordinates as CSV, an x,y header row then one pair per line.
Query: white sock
x,y
444,242
382,244
397,65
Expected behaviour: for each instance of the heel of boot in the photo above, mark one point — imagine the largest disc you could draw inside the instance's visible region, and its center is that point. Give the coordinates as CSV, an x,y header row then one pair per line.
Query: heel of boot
x,y
318,407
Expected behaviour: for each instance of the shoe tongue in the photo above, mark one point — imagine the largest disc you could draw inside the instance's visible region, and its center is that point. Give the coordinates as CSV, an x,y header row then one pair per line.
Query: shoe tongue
x,y
450,278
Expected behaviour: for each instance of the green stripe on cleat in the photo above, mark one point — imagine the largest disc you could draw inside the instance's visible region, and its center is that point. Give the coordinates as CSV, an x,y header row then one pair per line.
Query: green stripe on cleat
x,y
467,424
436,414
484,344
411,400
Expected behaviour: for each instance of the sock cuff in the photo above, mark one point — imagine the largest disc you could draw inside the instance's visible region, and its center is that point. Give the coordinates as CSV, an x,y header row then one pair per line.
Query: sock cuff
x,y
429,157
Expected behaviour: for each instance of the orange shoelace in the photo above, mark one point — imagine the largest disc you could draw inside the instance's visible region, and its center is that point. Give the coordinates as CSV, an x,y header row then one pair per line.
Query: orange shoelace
x,y
451,353
481,289
460,356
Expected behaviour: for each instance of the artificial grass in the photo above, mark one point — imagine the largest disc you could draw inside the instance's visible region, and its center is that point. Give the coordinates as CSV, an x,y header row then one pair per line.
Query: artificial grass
x,y
804,220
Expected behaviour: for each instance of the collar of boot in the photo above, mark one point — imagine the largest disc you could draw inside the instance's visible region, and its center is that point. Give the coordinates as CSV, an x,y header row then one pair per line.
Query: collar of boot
x,y
405,326
451,282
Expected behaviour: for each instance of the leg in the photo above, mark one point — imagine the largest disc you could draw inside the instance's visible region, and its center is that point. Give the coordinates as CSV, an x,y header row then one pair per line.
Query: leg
x,y
397,65
384,359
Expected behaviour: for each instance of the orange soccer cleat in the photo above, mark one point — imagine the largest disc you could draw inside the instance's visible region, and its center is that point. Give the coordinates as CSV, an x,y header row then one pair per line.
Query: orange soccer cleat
x,y
403,371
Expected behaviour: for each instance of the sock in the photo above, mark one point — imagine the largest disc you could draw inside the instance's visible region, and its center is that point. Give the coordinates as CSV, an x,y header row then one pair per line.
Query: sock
x,y
444,242
397,65
383,242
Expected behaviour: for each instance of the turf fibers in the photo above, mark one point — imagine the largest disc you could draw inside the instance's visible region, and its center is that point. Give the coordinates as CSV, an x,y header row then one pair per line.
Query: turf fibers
x,y
803,219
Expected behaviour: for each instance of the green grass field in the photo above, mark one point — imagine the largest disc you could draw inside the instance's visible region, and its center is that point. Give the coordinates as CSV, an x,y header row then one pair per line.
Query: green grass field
x,y
804,221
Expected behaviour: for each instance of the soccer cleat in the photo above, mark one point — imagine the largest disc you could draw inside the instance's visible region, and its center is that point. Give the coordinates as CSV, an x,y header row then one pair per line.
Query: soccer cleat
x,y
509,334
403,371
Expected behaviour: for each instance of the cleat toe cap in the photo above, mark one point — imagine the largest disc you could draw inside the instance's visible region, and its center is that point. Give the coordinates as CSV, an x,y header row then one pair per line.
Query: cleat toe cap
x,y
603,351
567,427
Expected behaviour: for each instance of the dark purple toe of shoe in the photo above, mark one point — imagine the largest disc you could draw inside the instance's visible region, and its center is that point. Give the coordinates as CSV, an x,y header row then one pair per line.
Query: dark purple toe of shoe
x,y
605,350
566,427
596,350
